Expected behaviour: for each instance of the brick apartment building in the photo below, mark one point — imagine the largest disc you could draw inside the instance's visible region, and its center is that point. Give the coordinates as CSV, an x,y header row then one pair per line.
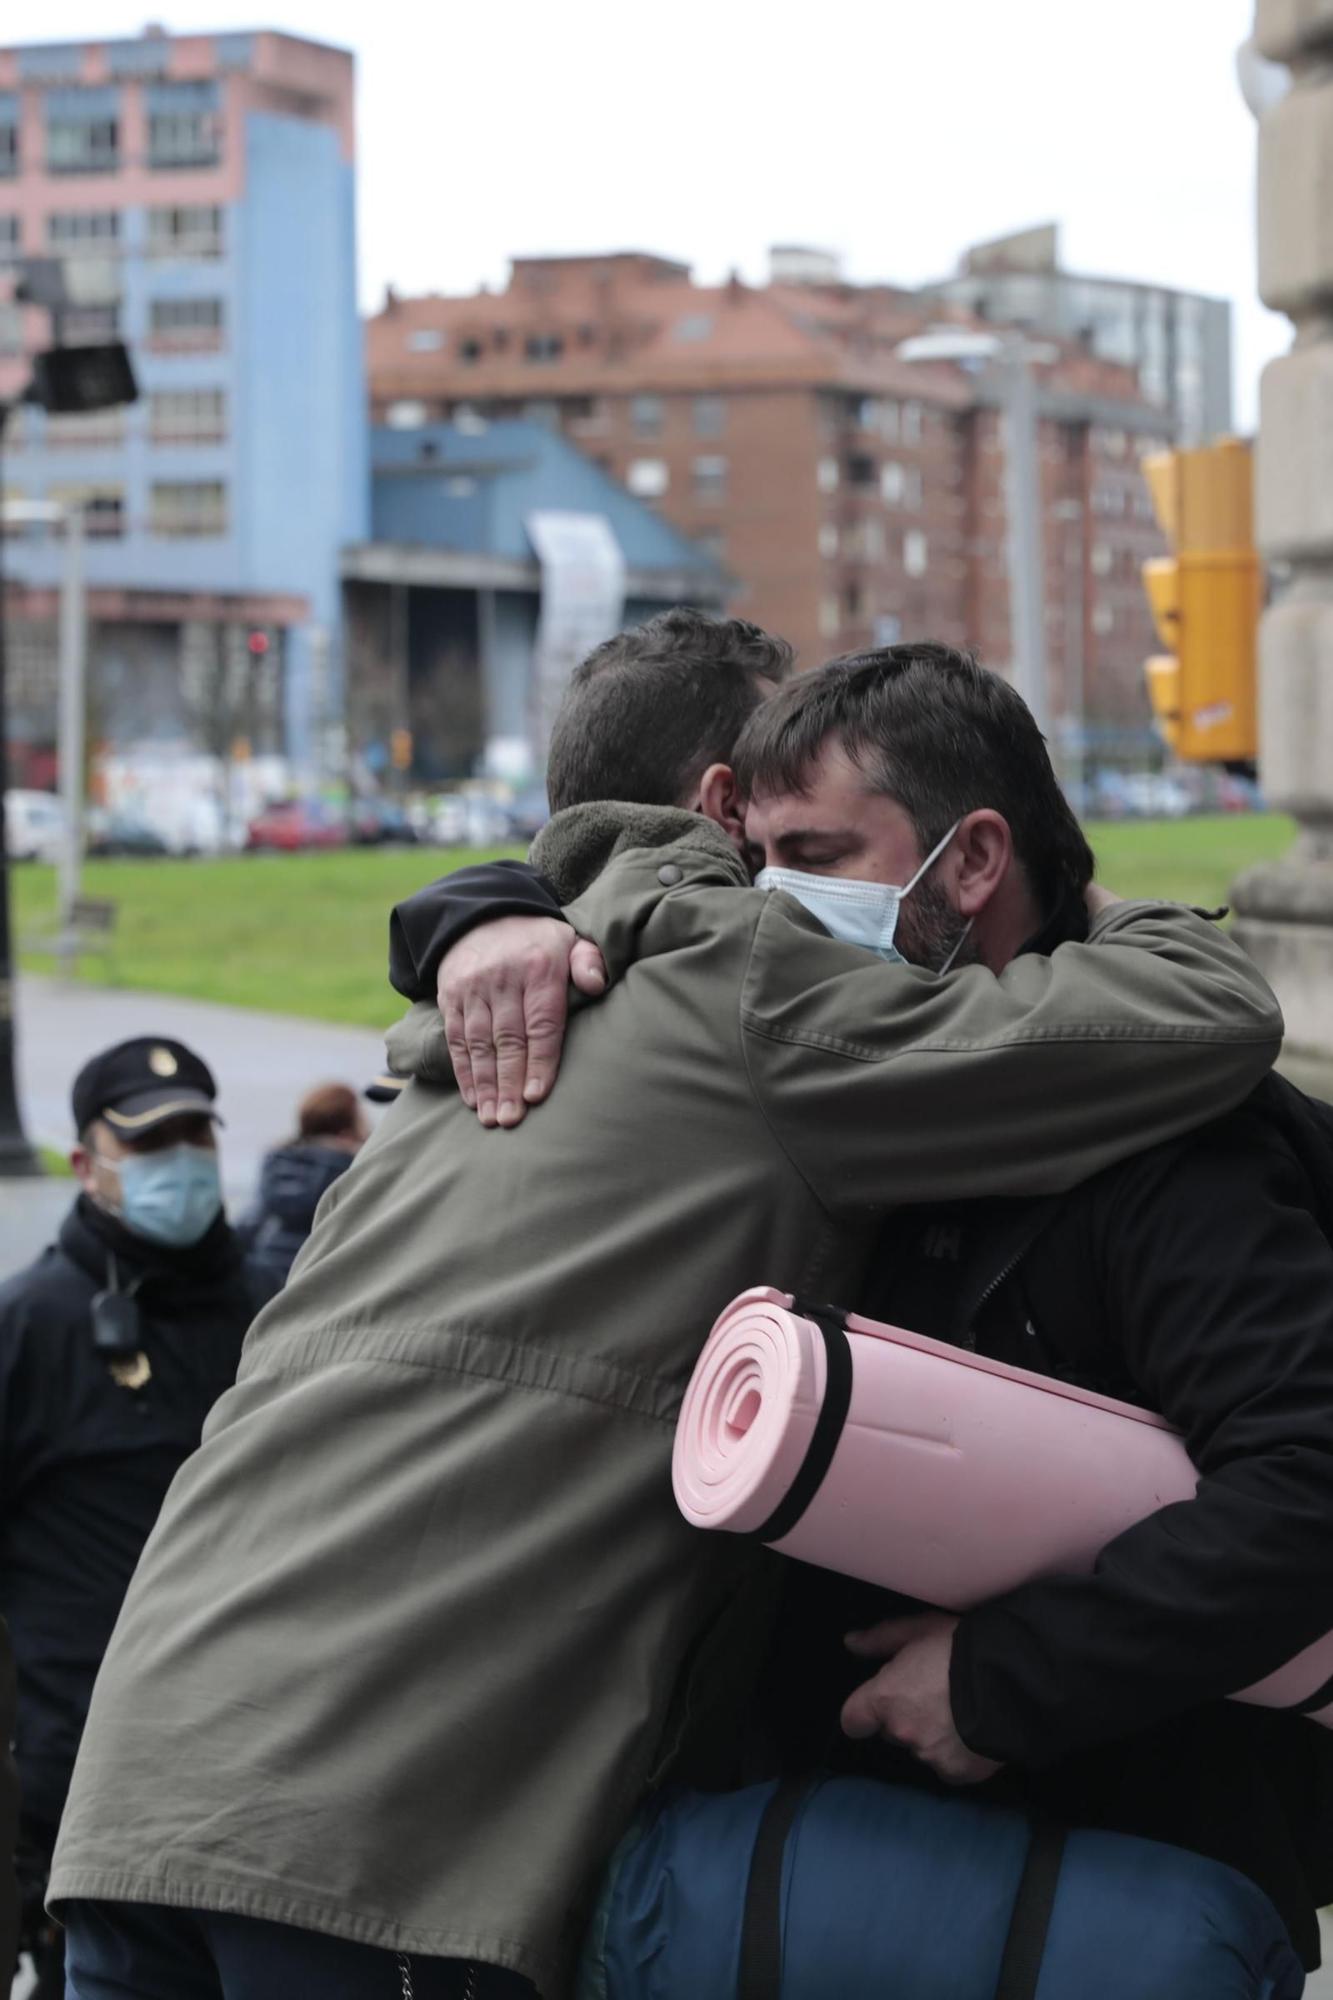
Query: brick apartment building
x,y
853,497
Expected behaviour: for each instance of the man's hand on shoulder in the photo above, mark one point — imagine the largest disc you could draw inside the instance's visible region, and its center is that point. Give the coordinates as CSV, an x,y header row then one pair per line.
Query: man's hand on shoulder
x,y
504,996
907,1702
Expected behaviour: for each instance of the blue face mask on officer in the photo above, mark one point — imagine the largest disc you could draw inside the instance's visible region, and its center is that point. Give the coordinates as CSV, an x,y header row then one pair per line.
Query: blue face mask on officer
x,y
172,1197
856,912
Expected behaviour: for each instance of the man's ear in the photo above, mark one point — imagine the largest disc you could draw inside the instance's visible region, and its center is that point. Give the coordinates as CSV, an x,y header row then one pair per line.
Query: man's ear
x,y
981,855
720,801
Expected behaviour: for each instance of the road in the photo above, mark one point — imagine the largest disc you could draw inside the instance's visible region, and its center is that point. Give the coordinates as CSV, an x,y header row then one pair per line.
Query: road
x,y
263,1063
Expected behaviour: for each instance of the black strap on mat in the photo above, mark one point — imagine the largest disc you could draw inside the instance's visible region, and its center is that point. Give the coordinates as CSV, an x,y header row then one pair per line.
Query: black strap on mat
x,y
759,1976
1025,1946
831,1321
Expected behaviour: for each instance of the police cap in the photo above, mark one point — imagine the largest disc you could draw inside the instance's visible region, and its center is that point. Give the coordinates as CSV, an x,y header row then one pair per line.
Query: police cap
x,y
137,1085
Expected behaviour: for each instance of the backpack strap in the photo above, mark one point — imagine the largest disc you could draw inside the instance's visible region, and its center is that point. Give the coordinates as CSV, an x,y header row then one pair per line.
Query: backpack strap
x,y
1025,1946
759,1976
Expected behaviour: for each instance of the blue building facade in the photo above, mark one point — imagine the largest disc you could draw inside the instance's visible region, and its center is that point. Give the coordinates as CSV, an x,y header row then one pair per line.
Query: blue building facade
x,y
207,209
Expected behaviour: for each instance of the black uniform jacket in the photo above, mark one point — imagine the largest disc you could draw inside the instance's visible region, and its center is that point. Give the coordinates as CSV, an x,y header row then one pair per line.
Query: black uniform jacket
x,y
88,1447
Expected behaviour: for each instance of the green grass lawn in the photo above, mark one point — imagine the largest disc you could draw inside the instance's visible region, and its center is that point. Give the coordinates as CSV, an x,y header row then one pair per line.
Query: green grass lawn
x,y
308,933
295,933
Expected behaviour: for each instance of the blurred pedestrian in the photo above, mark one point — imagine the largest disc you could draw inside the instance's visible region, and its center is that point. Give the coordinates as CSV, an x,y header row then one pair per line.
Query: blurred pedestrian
x,y
114,1346
331,1129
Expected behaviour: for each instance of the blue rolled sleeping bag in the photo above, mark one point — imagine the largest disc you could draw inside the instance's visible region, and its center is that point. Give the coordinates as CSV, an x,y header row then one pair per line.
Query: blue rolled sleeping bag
x,y
852,1889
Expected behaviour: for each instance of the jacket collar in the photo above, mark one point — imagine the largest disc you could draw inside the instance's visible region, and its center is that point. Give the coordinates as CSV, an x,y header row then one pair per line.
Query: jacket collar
x,y
575,847
92,1239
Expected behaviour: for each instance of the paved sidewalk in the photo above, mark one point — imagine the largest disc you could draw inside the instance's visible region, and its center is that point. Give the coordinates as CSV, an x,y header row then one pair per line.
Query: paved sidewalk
x,y
263,1063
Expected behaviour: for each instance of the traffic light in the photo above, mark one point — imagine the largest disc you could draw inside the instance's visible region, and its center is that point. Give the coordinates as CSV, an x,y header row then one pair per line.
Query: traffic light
x,y
1205,600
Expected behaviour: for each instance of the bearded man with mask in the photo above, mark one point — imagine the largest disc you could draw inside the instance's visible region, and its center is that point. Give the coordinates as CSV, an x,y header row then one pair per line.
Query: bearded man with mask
x,y
114,1346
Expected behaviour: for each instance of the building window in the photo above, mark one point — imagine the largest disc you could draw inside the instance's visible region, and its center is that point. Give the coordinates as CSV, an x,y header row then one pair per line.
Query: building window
x,y
826,475
82,226
9,147
710,416
889,422
830,617
1101,559
645,416
11,329
10,235
851,599
916,553
828,541
425,340
82,133
184,139
90,427
103,508
585,416
470,350
543,347
82,325
909,423
185,325
864,541
860,469
892,483
1103,620
912,489
187,416
194,231
710,479
184,125
189,507
648,478
406,415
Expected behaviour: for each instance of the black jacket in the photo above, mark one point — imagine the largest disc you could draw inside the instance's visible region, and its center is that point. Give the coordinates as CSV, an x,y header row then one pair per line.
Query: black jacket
x,y
9,1816
1197,1279
85,1459
292,1181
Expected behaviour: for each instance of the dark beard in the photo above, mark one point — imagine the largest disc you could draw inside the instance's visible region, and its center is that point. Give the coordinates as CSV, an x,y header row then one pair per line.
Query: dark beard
x,y
929,928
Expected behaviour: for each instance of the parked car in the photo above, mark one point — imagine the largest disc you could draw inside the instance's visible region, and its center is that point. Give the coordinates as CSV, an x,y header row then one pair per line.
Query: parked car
x,y
121,835
34,826
381,823
293,824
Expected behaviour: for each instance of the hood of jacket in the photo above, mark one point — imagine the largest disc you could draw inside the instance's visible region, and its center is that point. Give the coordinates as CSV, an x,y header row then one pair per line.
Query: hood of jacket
x,y
572,851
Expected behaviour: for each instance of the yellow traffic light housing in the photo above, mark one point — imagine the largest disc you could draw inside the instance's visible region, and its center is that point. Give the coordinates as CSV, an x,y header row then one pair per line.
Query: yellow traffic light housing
x,y
1206,600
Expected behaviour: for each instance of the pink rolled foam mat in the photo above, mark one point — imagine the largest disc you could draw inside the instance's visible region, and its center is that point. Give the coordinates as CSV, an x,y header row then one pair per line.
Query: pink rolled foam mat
x,y
924,1468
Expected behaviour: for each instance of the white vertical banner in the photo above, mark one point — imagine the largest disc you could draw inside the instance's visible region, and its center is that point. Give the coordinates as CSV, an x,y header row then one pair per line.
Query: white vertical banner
x,y
582,603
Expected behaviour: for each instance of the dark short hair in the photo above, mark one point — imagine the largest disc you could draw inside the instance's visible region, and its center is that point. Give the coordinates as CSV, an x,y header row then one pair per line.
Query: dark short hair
x,y
648,711
938,734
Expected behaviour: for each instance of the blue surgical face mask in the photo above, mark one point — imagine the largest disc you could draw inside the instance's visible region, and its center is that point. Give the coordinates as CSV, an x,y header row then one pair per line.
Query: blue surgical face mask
x,y
172,1197
864,913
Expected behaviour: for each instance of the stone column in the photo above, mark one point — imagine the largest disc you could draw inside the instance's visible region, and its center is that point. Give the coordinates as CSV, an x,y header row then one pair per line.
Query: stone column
x,y
1285,908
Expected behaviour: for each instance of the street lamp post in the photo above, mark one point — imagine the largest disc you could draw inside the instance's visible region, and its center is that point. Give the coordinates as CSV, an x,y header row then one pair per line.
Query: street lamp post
x,y
17,1159
65,380
1011,356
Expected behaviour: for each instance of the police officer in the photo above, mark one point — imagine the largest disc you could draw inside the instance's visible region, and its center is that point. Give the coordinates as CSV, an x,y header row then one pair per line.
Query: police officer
x,y
114,1346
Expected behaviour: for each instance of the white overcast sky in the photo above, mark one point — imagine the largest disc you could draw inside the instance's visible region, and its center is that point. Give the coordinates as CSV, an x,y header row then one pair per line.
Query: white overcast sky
x,y
893,131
